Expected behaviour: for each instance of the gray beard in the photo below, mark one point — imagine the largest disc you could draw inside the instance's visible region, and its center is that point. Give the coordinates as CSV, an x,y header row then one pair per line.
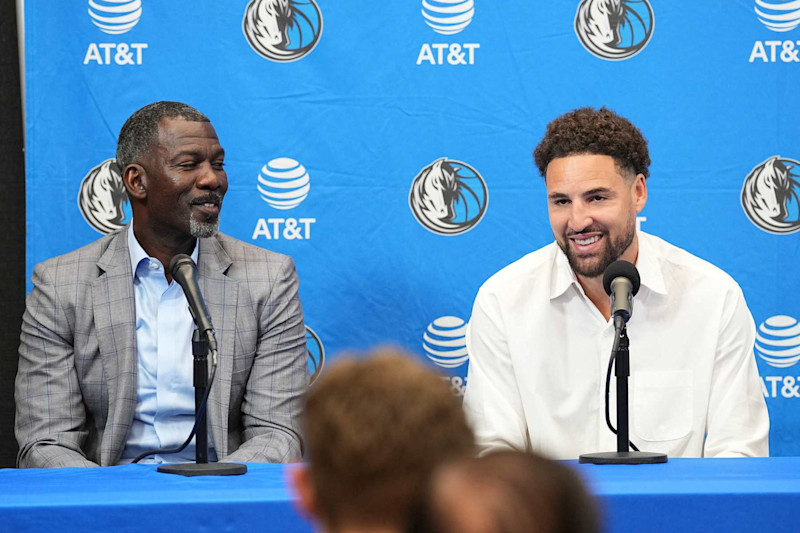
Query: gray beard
x,y
202,230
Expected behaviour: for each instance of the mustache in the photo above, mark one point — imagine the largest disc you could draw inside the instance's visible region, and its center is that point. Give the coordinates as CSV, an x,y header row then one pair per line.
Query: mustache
x,y
590,229
210,198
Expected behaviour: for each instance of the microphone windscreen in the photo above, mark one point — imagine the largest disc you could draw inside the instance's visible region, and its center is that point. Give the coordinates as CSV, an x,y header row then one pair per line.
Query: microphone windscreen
x,y
621,269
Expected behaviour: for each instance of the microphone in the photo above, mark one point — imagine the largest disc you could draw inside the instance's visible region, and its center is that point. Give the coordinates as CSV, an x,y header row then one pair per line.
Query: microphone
x,y
184,271
621,282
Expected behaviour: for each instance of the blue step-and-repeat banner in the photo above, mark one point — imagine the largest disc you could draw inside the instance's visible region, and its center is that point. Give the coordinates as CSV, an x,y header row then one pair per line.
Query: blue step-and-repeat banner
x,y
386,146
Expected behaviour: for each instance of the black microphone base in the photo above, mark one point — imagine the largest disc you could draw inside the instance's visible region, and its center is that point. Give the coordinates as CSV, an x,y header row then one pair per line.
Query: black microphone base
x,y
204,469
623,458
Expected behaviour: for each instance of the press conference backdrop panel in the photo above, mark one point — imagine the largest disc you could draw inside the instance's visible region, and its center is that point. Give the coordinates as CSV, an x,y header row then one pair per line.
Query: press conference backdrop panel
x,y
386,146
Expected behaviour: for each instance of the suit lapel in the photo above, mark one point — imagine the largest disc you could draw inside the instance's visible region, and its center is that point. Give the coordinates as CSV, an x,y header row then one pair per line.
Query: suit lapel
x,y
221,296
115,324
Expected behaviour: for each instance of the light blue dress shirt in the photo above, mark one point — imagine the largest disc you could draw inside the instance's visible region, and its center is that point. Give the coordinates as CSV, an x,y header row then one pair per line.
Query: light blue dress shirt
x,y
165,396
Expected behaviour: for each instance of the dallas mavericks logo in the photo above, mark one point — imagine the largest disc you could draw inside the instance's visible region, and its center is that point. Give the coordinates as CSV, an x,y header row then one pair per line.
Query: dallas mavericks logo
x,y
115,16
614,29
778,341
282,30
445,342
448,17
778,15
102,198
283,183
448,197
770,195
316,355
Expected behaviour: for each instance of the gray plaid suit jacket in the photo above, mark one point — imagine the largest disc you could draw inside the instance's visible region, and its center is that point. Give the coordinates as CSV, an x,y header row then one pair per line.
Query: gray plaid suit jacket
x,y
76,385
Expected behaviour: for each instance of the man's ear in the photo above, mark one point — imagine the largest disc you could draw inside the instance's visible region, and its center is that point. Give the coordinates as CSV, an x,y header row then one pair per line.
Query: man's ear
x,y
134,177
305,496
640,192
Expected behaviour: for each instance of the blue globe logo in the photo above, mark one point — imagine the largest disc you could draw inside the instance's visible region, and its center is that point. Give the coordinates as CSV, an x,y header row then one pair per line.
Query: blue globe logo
x,y
283,183
115,16
778,341
780,16
448,17
445,343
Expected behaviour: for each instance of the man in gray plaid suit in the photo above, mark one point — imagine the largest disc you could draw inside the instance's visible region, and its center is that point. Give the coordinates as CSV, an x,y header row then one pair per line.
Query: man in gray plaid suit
x,y
105,354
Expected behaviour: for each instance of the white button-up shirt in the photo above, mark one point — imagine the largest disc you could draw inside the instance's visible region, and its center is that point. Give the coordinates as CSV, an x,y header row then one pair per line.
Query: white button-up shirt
x,y
539,352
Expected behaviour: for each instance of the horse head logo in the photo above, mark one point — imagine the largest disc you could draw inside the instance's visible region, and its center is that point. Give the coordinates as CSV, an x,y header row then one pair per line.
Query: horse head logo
x,y
614,29
282,30
770,195
102,197
448,197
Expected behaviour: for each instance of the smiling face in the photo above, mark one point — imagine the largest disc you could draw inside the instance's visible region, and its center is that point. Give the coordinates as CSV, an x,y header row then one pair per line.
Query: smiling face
x,y
592,208
181,183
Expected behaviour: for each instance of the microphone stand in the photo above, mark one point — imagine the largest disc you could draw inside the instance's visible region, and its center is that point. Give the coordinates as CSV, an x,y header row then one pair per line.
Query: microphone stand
x,y
201,466
623,455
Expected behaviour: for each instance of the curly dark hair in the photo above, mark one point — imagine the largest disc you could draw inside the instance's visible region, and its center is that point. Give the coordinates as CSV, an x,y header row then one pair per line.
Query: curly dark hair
x,y
591,131
140,131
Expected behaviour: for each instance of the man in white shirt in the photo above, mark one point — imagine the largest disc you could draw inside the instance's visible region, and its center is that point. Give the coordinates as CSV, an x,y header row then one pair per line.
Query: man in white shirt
x,y
540,335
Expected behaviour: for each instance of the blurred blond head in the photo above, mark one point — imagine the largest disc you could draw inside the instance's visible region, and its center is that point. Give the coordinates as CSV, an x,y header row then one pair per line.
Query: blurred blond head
x,y
375,429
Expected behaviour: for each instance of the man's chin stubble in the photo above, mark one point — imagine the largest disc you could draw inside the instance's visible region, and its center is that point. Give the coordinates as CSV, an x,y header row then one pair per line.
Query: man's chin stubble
x,y
202,230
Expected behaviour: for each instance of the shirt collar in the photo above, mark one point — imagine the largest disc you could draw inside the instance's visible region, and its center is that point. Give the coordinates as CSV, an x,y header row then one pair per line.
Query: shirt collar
x,y
646,263
137,253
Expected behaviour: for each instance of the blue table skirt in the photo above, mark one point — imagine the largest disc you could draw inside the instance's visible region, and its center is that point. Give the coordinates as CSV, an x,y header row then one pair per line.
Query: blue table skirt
x,y
682,495
704,495
137,498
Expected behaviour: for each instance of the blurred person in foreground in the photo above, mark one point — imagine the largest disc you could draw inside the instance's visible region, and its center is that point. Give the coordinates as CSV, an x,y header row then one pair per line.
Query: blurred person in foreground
x,y
506,492
375,429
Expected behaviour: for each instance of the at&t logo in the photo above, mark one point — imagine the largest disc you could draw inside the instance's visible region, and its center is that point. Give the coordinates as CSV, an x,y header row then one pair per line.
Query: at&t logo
x,y
316,355
102,198
770,195
779,16
778,345
283,183
614,29
282,30
448,197
448,17
445,343
115,17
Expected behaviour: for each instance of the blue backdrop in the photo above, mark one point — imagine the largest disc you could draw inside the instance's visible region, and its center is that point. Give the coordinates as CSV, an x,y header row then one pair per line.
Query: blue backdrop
x,y
386,146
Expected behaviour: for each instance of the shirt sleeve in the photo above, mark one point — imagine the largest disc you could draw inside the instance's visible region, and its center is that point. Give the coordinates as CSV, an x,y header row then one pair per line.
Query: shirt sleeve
x,y
738,422
492,401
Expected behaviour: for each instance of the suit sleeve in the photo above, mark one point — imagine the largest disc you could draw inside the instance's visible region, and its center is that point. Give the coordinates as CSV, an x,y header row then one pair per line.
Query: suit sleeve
x,y
738,422
492,401
50,421
272,402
